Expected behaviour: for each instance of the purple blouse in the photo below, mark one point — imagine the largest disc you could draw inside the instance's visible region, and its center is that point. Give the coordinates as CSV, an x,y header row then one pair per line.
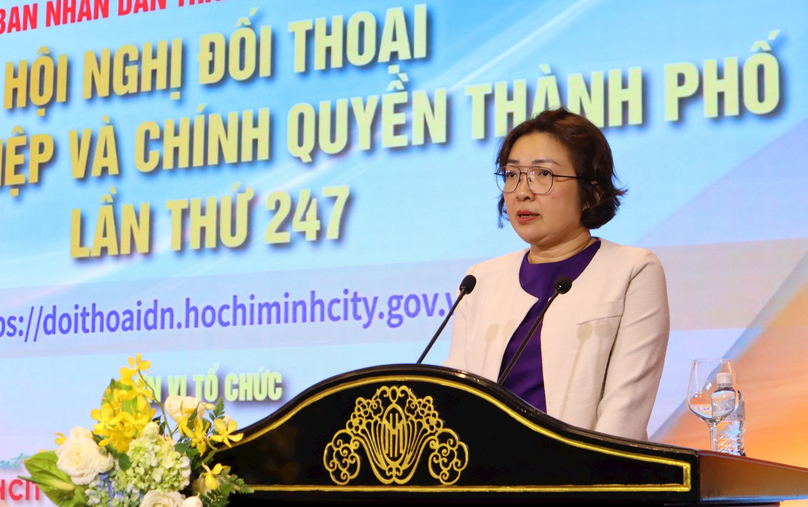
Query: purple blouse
x,y
526,379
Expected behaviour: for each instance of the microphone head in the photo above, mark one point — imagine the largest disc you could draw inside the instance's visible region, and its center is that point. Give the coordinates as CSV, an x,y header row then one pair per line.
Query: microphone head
x,y
563,284
468,283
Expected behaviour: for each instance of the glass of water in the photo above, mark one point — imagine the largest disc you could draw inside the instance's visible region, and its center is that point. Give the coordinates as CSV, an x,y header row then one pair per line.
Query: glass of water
x,y
712,393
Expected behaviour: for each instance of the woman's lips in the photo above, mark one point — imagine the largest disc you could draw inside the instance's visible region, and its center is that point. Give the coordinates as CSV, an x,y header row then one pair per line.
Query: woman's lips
x,y
525,216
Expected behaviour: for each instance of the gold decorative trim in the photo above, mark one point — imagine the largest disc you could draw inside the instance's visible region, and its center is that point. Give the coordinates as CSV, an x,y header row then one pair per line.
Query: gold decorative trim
x,y
562,488
394,427
685,486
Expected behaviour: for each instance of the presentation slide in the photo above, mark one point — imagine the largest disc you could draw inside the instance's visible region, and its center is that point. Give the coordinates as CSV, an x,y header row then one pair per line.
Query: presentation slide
x,y
257,196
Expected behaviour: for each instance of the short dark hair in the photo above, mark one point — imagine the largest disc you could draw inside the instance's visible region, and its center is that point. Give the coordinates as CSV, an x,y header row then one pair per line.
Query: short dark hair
x,y
590,155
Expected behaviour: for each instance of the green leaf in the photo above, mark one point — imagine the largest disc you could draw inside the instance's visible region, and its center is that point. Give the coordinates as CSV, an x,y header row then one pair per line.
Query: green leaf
x,y
183,447
113,385
214,498
56,485
117,384
129,406
244,489
192,418
124,462
226,488
238,483
218,410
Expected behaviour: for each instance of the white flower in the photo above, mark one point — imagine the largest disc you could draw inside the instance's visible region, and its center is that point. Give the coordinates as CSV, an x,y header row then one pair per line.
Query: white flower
x,y
80,432
180,406
184,466
155,499
151,431
192,501
80,458
168,461
198,486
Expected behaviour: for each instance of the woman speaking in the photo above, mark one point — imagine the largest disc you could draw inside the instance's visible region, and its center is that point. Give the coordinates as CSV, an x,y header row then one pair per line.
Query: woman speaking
x,y
596,360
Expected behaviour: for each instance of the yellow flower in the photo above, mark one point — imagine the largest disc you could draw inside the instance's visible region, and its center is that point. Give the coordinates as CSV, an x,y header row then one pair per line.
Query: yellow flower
x,y
142,404
137,387
135,365
210,475
104,417
139,364
61,439
116,398
124,412
126,376
225,432
198,434
142,418
132,377
119,427
118,430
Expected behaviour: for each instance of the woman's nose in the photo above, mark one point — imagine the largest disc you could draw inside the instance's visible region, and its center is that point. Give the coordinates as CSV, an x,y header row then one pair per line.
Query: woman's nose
x,y
523,189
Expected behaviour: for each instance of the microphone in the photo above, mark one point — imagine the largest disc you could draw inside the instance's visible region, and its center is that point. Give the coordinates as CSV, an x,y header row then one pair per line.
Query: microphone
x,y
466,286
562,285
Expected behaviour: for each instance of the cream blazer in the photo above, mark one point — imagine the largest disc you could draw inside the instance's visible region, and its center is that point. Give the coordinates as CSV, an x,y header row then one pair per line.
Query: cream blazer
x,y
603,343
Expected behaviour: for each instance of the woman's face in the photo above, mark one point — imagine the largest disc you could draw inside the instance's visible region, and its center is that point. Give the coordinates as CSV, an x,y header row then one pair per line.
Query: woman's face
x,y
551,221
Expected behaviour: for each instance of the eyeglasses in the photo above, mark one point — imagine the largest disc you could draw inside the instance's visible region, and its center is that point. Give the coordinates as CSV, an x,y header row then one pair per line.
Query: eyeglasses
x,y
539,179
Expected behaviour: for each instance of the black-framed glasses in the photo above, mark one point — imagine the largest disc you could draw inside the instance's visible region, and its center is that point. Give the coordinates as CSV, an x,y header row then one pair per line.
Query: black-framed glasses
x,y
539,179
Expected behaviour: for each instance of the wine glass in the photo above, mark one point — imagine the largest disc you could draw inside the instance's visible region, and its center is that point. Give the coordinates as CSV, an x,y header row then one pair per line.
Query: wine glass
x,y
712,392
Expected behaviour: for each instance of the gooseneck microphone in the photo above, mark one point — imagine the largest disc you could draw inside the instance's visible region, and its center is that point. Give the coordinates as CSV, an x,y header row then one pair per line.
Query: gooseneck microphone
x,y
466,286
562,285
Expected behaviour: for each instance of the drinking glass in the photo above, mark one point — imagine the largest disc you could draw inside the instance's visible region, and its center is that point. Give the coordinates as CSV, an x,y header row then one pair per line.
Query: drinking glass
x,y
710,399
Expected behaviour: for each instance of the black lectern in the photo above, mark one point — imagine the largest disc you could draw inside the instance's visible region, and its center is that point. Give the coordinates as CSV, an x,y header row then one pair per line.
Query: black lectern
x,y
416,433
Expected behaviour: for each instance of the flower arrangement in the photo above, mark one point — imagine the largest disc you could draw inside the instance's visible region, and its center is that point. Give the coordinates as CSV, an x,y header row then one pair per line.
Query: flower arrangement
x,y
133,459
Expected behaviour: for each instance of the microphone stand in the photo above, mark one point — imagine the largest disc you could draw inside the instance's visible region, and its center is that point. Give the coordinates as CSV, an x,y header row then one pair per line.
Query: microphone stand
x,y
468,283
559,289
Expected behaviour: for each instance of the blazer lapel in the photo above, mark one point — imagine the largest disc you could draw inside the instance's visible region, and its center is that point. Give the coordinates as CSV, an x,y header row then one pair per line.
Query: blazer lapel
x,y
561,347
505,307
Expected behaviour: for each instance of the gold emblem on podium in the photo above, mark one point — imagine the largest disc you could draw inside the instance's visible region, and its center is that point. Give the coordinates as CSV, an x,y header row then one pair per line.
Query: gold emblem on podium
x,y
394,427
